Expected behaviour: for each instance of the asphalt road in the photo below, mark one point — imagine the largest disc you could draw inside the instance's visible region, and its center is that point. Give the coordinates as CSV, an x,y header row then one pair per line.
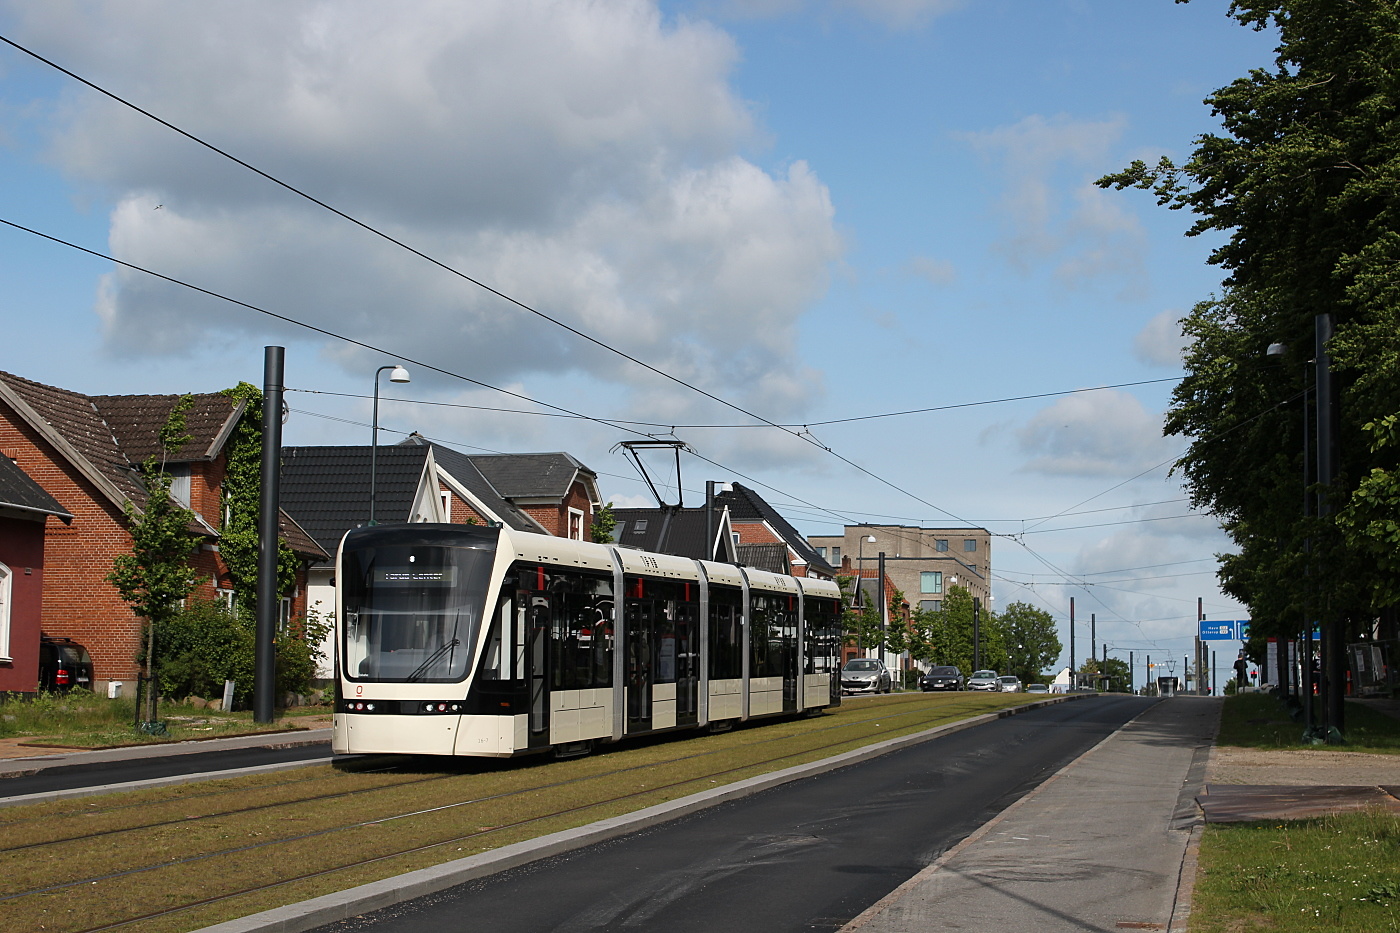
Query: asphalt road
x,y
806,856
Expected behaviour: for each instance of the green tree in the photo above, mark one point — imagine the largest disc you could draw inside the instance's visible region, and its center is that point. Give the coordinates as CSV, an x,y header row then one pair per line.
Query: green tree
x,y
949,634
1030,638
1302,180
156,575
604,522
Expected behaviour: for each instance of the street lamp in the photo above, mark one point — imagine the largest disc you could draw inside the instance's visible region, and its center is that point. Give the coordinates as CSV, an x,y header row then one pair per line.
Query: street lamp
x,y
397,374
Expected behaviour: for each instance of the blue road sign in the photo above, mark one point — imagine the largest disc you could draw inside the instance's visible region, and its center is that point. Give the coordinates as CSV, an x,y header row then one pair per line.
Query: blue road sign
x,y
1227,630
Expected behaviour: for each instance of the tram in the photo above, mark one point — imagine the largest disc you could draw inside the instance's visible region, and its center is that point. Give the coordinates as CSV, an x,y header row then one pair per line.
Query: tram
x,y
485,641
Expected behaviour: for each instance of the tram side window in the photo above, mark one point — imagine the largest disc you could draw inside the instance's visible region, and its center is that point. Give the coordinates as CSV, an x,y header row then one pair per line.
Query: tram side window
x,y
581,635
495,660
823,634
726,635
762,629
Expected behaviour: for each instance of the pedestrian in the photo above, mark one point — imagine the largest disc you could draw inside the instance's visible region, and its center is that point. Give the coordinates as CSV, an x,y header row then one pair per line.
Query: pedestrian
x,y
1241,673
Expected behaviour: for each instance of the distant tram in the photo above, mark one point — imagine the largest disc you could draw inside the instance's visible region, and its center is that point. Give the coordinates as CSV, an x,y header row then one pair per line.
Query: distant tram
x,y
468,640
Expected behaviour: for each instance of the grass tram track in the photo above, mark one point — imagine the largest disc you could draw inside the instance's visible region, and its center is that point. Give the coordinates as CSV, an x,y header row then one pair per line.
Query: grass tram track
x,y
184,870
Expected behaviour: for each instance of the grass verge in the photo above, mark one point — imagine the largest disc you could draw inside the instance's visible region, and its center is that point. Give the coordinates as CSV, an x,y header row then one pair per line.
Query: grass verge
x,y
1339,873
85,720
1259,720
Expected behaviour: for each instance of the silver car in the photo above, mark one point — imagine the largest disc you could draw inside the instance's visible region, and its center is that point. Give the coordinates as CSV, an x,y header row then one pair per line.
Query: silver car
x,y
984,680
1010,683
866,675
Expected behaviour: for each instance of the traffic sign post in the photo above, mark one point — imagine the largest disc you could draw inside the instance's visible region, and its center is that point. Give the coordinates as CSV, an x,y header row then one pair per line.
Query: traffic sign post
x,y
1227,630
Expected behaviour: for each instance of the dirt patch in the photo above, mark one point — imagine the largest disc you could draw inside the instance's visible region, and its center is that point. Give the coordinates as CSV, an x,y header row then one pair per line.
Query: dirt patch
x,y
1233,765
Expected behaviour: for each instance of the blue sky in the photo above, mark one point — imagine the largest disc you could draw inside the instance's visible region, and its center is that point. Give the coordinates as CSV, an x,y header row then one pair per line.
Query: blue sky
x,y
816,210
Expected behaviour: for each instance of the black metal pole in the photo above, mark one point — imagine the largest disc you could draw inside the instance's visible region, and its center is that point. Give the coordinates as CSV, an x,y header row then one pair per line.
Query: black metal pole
x,y
976,634
1305,670
709,519
1073,677
264,658
884,607
1332,648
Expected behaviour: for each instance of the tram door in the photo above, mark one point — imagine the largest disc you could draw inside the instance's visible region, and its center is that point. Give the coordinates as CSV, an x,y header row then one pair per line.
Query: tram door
x,y
537,652
641,626
687,637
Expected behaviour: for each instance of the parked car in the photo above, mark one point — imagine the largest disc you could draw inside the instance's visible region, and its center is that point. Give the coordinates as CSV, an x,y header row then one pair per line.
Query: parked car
x,y
866,675
63,665
984,680
1010,683
1037,688
941,678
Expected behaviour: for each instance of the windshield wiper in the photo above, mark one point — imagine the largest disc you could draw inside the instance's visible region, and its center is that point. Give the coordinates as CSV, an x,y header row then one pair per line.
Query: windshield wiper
x,y
432,659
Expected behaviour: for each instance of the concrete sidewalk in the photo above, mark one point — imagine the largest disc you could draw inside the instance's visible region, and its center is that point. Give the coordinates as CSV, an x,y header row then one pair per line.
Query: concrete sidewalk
x,y
1105,844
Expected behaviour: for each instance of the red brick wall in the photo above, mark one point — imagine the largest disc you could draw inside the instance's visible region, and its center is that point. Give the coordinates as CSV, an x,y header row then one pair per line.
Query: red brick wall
x,y
462,510
78,602
555,518
22,551
755,533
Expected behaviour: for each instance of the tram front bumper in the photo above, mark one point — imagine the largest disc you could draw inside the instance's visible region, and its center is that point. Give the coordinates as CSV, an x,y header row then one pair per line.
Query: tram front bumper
x,y
393,734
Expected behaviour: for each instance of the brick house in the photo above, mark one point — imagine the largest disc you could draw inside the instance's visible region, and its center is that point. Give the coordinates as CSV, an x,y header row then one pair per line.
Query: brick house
x,y
755,522
24,511
84,451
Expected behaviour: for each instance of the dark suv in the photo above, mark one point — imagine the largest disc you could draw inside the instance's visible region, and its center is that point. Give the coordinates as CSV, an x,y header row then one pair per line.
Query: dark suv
x,y
63,665
941,678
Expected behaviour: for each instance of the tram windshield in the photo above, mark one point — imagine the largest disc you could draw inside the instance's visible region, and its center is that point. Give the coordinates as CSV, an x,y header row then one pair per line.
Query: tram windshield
x,y
411,613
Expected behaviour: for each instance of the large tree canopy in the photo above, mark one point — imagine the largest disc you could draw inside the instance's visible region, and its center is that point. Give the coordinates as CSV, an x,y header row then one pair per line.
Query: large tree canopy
x,y
1304,180
1031,639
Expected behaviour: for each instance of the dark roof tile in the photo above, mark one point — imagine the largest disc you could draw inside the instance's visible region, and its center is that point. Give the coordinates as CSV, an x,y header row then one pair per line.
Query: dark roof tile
x,y
19,492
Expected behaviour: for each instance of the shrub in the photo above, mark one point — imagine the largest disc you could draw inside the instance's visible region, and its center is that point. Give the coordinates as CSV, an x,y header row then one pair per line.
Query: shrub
x,y
206,644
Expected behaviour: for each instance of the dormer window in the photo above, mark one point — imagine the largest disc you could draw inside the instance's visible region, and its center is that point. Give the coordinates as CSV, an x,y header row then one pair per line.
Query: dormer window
x,y
179,474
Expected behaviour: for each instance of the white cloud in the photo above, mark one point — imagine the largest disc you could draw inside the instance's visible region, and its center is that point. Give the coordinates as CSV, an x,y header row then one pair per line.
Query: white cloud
x,y
894,14
578,157
1105,433
1087,236
1161,342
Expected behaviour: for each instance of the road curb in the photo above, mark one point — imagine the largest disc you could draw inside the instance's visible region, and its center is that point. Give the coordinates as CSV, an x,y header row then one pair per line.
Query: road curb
x,y
342,905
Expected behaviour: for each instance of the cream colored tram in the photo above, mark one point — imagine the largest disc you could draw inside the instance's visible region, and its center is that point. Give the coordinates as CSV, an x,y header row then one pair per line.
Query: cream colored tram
x,y
467,640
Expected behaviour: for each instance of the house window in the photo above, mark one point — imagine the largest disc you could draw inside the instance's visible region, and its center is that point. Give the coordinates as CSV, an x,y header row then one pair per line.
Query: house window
x,y
931,581
575,525
6,577
225,596
931,605
821,552
284,614
941,544
835,556
446,505
969,544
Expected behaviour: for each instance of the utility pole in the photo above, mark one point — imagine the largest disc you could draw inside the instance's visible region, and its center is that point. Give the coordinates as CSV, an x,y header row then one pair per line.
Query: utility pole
x,y
265,628
1334,672
976,634
1073,680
